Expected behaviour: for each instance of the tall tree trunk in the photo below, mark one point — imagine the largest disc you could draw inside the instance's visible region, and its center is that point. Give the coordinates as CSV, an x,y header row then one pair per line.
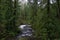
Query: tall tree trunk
x,y
34,8
58,8
48,13
14,13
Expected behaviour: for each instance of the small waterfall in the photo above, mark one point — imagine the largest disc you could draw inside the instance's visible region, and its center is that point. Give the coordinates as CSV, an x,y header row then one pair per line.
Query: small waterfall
x,y
26,30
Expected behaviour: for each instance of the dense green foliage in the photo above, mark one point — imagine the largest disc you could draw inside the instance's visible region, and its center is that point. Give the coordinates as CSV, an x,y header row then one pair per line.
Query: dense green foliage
x,y
9,11
45,20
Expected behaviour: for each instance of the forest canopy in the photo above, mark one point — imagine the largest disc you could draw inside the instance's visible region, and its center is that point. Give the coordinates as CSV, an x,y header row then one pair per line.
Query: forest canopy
x,y
43,15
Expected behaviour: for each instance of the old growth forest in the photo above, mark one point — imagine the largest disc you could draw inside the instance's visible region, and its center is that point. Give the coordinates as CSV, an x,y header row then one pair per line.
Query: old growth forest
x,y
42,15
